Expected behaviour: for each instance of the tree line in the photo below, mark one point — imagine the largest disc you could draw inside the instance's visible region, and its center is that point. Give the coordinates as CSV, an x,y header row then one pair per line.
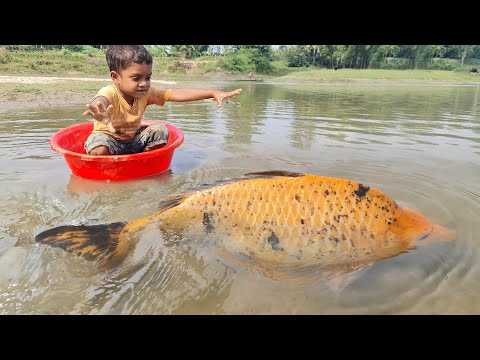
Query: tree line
x,y
265,59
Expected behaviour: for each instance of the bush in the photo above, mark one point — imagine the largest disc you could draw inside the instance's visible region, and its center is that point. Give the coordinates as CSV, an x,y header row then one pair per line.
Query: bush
x,y
5,58
442,64
297,57
235,63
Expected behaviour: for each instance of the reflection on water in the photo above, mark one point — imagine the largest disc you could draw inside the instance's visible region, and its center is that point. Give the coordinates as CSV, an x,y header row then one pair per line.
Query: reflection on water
x,y
418,144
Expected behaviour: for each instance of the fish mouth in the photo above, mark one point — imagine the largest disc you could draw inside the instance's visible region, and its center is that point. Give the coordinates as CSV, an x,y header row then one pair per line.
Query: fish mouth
x,y
438,234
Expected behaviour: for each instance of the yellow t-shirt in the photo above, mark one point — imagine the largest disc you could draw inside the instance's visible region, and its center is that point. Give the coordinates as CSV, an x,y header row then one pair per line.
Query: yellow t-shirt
x,y
126,119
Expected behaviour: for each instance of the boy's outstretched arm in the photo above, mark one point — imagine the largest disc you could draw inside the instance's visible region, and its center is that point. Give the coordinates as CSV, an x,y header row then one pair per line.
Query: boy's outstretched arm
x,y
97,111
181,95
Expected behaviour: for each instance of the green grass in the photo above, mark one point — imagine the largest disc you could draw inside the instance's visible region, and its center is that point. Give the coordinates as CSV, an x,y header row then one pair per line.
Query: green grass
x,y
66,63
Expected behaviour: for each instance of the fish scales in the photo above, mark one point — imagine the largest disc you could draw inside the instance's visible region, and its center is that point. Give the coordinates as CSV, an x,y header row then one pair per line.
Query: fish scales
x,y
292,218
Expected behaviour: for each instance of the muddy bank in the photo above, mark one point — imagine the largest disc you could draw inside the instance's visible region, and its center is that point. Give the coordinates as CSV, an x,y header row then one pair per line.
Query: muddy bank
x,y
21,91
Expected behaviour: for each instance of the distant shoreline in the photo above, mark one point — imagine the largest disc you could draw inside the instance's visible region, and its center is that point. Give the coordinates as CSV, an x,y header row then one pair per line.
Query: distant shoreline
x,y
27,90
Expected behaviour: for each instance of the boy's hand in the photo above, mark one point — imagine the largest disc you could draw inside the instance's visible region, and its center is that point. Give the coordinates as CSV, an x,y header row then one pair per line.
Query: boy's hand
x,y
220,96
99,113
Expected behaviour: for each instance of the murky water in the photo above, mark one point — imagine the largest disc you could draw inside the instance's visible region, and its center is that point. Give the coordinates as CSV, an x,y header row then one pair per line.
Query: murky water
x,y
418,144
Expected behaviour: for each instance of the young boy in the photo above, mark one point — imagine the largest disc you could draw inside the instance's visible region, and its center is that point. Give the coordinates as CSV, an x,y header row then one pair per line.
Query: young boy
x,y
118,108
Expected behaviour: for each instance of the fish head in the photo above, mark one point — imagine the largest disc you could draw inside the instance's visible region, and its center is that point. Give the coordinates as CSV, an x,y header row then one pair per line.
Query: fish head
x,y
415,229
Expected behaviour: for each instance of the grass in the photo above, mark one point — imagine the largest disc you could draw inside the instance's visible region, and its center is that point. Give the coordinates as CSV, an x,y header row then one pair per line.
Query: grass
x,y
67,64
345,75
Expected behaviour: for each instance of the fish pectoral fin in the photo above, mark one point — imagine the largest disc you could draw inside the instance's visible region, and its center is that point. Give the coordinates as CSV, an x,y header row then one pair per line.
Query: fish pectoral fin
x,y
341,280
92,242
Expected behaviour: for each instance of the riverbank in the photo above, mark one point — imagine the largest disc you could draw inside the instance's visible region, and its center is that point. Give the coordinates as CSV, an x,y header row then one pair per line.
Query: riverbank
x,y
19,90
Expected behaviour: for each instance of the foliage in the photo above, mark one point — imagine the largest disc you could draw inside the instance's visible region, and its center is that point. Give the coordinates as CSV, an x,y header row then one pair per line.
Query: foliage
x,y
297,56
246,58
241,59
158,50
188,51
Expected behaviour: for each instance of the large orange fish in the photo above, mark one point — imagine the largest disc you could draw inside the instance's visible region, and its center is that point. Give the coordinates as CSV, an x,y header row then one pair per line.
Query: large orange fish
x,y
275,219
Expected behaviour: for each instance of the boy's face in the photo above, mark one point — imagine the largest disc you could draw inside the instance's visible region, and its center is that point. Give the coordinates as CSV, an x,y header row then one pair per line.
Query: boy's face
x,y
134,81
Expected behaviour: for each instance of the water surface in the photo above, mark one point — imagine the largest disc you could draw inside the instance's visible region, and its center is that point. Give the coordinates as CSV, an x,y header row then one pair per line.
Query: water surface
x,y
418,144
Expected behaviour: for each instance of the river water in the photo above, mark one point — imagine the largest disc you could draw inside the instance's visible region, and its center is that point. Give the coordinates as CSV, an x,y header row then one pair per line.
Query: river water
x,y
418,144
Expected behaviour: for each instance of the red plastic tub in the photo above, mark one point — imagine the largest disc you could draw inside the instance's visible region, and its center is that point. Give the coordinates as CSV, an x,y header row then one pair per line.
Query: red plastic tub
x,y
69,142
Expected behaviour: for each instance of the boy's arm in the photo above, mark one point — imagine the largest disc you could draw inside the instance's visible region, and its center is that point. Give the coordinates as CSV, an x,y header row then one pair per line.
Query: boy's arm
x,y
97,111
181,95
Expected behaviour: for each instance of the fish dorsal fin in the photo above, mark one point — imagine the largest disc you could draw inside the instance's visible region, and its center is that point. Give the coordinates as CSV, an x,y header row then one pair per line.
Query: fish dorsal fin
x,y
273,173
172,201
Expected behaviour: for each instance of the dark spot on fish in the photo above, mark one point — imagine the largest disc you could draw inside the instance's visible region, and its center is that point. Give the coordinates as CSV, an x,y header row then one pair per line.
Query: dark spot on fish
x,y
297,197
302,221
207,223
274,242
362,190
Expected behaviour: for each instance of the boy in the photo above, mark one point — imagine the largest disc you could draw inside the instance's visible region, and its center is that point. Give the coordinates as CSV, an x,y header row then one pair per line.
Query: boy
x,y
118,108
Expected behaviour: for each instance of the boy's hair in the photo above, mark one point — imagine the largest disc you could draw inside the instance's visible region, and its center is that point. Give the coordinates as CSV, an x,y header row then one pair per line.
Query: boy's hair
x,y
120,57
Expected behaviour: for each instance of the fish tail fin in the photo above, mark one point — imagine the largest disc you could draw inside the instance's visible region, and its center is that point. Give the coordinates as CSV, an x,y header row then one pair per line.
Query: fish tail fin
x,y
108,244
92,242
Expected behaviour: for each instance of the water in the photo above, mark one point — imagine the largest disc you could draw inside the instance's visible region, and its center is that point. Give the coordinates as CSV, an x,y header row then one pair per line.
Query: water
x,y
418,144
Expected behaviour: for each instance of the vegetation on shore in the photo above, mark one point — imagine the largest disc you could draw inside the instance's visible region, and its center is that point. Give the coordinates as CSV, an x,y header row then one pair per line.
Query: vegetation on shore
x,y
240,60
246,63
